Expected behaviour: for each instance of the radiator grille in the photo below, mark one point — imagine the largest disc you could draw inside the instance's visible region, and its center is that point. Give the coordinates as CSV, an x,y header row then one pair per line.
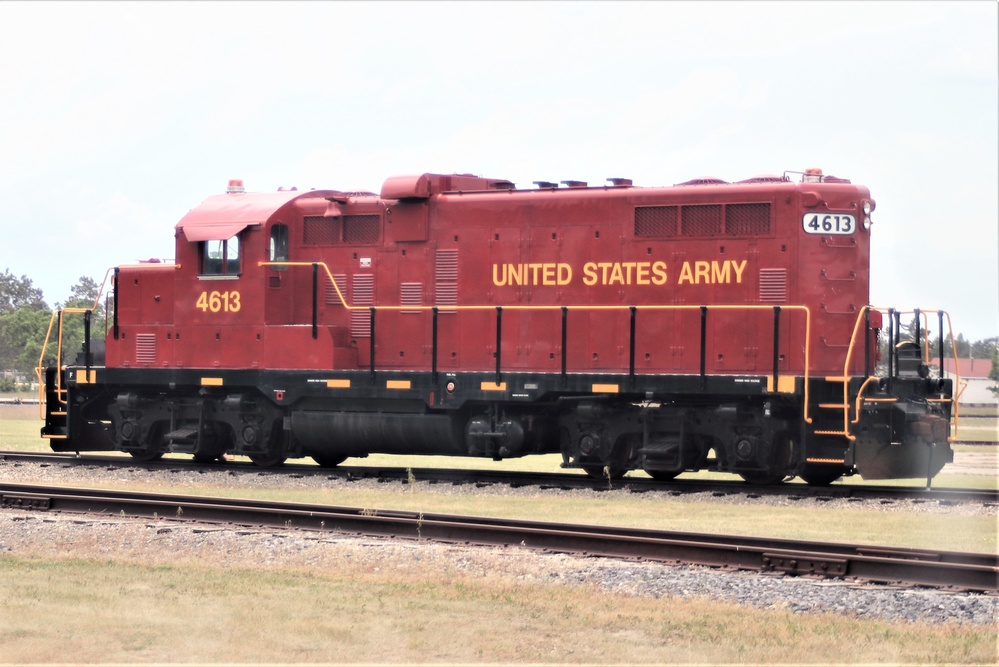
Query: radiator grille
x,y
701,220
363,293
321,230
361,228
656,220
145,348
773,285
747,219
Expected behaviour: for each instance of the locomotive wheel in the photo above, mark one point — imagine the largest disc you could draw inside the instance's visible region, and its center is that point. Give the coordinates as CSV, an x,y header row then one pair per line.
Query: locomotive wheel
x,y
821,475
783,458
268,460
615,468
328,460
151,447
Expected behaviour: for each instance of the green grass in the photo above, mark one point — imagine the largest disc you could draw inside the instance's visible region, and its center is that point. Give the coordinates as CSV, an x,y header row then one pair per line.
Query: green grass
x,y
978,430
19,429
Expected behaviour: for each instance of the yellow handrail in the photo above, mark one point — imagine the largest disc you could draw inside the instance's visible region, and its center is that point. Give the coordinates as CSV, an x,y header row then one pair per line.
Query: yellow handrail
x,y
805,309
860,392
40,368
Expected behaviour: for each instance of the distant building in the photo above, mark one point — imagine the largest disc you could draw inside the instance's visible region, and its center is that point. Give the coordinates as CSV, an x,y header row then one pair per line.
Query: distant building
x,y
969,368
976,373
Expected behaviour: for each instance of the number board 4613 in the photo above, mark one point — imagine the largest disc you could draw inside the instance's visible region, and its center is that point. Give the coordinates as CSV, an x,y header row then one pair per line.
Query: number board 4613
x,y
828,223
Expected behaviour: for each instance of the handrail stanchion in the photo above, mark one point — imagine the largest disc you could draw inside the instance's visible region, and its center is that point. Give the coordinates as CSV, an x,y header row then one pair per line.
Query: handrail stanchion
x,y
631,346
704,339
891,347
940,318
565,322
86,343
315,301
776,345
372,343
433,354
867,340
499,341
115,302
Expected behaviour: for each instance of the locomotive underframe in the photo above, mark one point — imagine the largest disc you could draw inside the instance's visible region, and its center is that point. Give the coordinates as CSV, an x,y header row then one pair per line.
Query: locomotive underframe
x,y
604,424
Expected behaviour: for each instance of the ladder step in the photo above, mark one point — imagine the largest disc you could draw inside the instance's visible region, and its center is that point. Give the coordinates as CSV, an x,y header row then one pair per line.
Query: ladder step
x,y
830,433
181,434
833,406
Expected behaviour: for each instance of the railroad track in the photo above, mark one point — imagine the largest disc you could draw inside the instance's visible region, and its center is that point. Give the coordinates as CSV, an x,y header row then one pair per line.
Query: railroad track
x,y
562,481
890,565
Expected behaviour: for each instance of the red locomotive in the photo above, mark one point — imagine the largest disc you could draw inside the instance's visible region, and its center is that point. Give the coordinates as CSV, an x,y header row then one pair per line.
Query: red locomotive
x,y
708,325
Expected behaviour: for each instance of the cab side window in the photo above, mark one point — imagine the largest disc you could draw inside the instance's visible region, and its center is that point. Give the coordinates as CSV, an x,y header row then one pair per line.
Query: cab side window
x,y
220,258
278,246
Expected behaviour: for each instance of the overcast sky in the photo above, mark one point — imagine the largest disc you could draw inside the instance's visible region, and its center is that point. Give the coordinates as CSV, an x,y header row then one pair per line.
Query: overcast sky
x,y
117,118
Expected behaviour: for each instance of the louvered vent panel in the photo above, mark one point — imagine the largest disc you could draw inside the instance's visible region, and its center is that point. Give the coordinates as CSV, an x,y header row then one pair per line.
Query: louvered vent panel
x,y
411,294
363,292
145,348
446,278
701,220
773,285
320,230
656,220
361,228
330,295
747,219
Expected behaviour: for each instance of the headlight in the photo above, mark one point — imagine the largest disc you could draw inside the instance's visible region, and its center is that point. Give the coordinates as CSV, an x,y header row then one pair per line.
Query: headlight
x,y
868,206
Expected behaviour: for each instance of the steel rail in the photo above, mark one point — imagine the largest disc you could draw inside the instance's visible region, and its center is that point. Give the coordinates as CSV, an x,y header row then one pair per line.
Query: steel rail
x,y
564,481
941,569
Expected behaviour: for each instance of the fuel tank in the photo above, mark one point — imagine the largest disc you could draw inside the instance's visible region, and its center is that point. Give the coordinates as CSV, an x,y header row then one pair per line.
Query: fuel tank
x,y
357,433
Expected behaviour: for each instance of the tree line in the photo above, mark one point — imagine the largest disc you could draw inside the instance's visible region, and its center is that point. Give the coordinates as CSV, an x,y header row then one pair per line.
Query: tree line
x,y
25,319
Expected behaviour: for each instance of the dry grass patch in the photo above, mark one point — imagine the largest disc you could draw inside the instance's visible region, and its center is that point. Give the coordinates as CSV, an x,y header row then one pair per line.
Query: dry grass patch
x,y
85,611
